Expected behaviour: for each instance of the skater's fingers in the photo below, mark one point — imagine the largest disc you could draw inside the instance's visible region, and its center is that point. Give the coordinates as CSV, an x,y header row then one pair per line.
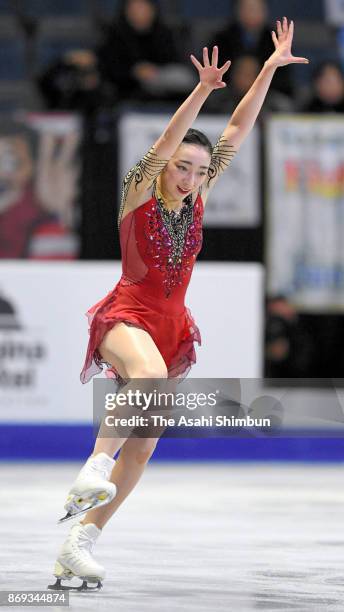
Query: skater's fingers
x,y
196,62
205,57
225,67
215,56
274,39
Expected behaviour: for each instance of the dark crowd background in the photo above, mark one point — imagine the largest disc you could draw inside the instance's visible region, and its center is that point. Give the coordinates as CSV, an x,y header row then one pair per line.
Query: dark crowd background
x,y
102,57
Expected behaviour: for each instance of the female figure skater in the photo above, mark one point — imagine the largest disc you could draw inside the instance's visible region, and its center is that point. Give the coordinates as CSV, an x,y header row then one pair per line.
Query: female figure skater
x,y
142,328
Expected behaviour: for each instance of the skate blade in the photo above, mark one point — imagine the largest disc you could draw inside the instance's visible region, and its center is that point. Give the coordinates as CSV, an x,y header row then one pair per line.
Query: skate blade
x,y
82,587
70,516
100,499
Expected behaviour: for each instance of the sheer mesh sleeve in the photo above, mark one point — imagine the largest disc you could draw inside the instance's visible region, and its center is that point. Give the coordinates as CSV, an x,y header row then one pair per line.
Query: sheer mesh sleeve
x,y
141,175
222,156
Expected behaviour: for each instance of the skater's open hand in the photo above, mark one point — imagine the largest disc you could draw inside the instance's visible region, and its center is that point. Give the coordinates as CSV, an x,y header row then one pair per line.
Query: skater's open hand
x,y
210,75
282,55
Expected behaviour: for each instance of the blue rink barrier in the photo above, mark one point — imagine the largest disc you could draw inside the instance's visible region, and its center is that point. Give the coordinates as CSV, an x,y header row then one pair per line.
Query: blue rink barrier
x,y
20,442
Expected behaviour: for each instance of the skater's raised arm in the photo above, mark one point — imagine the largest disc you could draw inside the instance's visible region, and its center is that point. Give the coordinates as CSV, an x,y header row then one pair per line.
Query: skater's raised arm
x,y
246,113
141,177
210,79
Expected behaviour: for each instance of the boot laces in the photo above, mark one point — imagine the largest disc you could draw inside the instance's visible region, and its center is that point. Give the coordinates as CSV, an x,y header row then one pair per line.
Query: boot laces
x,y
83,544
99,470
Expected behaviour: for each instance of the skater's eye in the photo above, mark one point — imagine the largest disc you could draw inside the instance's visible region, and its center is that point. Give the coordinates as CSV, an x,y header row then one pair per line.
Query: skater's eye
x,y
181,168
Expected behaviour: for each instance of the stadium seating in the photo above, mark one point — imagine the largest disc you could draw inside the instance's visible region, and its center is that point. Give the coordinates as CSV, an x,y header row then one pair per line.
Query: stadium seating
x,y
59,35
204,9
203,32
62,25
13,64
19,95
316,41
313,10
223,9
37,9
105,9
6,7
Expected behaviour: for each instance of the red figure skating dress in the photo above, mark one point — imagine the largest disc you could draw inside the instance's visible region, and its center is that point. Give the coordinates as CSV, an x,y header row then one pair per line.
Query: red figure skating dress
x,y
159,248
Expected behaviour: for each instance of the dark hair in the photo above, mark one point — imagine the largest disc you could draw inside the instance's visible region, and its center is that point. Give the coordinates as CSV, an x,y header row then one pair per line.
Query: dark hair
x,y
198,138
236,5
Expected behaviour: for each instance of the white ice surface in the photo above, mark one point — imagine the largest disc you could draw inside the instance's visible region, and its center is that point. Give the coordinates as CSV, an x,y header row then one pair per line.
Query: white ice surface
x,y
197,538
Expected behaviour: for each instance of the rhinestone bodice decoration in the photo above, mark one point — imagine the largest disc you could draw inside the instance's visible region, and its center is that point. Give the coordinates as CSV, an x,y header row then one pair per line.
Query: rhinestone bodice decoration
x,y
177,225
167,244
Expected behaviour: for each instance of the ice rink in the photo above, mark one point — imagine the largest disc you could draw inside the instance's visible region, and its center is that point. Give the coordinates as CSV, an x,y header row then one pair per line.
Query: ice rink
x,y
193,537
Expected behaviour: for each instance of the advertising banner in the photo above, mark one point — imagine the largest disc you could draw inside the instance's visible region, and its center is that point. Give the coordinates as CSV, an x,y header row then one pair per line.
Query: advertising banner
x,y
305,211
335,12
39,173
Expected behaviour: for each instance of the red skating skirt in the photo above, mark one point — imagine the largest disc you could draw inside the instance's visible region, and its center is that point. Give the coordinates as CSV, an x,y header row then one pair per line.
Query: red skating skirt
x,y
173,335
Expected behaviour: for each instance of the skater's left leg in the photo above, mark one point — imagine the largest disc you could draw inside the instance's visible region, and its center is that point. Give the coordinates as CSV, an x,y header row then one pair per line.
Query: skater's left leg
x,y
75,557
133,458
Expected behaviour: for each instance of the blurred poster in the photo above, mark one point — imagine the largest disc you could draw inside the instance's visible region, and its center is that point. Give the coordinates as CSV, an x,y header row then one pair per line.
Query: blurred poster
x,y
305,213
39,172
235,199
335,12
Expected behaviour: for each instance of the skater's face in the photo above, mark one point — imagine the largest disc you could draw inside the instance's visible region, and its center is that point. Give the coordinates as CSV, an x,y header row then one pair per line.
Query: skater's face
x,y
185,172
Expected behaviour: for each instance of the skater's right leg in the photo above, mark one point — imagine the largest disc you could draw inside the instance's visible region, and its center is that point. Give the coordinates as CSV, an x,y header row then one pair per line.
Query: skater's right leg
x,y
134,354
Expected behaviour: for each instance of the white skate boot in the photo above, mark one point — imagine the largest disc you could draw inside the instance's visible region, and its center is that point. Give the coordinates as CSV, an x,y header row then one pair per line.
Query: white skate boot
x,y
75,560
92,488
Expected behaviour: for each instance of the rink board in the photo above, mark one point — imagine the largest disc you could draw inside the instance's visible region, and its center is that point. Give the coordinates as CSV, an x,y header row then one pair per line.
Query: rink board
x,y
51,417
75,442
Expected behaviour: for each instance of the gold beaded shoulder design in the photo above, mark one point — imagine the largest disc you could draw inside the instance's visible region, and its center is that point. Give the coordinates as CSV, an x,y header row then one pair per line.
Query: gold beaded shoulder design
x,y
222,156
148,169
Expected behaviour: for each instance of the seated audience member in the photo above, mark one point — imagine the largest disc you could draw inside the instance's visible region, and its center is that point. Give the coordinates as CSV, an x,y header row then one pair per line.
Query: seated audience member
x,y
289,347
250,34
328,89
74,83
244,71
140,57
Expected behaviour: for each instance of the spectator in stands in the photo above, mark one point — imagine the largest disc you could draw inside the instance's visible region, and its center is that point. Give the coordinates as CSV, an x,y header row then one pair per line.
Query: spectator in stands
x,y
74,83
140,57
289,347
328,89
244,72
250,34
